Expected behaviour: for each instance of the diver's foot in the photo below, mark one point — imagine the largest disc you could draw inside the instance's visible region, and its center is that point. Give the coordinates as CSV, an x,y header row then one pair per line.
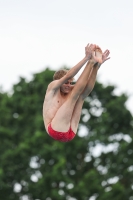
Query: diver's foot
x,y
98,54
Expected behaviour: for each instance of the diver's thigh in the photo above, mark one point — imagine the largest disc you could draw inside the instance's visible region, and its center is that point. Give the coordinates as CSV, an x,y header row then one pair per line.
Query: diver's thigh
x,y
62,118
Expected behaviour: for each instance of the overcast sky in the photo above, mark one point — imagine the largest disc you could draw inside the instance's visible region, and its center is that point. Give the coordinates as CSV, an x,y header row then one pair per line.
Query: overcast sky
x,y
35,34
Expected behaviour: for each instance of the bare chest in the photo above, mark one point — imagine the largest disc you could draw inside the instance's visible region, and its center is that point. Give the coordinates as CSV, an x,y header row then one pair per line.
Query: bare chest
x,y
51,106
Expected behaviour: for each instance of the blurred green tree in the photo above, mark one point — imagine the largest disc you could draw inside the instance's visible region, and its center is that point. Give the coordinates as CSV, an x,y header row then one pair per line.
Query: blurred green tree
x,y
97,164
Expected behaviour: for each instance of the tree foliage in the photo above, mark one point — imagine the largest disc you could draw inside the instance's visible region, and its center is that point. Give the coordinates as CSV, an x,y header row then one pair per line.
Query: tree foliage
x,y
97,164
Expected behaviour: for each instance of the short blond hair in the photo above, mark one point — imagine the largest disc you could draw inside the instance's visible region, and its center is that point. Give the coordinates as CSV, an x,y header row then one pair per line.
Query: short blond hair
x,y
59,74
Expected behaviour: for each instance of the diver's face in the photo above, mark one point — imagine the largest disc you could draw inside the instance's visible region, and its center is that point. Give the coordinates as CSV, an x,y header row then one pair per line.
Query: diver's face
x,y
67,87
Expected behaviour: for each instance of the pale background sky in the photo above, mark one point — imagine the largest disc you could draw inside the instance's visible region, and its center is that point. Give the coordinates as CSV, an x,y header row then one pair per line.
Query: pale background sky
x,y
35,34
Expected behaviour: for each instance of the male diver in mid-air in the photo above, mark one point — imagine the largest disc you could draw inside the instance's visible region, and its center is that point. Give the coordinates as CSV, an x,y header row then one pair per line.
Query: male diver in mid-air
x,y
63,101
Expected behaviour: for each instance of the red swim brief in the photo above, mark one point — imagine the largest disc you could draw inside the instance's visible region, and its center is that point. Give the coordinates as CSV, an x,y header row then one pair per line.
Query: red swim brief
x,y
61,136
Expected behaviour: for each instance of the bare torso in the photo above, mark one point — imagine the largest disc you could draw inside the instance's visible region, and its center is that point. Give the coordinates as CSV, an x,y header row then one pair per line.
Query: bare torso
x,y
52,102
